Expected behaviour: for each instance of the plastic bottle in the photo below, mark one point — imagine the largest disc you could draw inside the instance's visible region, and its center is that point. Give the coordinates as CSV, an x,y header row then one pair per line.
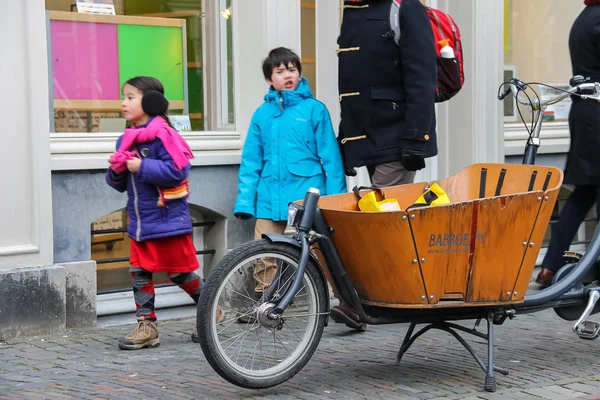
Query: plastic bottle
x,y
446,51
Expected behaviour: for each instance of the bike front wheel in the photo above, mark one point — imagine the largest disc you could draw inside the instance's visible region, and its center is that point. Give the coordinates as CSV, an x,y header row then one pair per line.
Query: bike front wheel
x,y
260,352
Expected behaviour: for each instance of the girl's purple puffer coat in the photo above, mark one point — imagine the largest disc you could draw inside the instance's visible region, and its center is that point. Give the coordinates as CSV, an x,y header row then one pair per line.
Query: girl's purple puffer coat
x,y
148,220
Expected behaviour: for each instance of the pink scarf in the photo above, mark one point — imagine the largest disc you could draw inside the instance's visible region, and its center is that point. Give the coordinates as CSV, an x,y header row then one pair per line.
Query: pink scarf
x,y
158,128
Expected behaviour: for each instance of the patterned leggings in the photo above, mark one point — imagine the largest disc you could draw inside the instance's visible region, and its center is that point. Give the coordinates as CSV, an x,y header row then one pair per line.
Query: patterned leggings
x,y
143,289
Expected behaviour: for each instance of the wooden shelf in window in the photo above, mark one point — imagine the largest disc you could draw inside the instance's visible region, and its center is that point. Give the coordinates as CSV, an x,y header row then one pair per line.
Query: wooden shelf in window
x,y
196,116
195,64
173,14
114,19
103,105
309,60
307,4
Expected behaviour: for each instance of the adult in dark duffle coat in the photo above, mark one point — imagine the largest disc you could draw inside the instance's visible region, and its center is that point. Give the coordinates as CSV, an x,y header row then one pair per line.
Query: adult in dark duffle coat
x,y
583,160
387,95
386,90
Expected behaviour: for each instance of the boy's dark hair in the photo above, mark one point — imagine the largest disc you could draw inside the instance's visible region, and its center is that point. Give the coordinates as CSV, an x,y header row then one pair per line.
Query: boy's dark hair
x,y
278,56
154,101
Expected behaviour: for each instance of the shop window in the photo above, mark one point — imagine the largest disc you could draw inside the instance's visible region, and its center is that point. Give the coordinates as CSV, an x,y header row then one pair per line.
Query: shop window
x,y
226,64
91,56
536,48
110,247
110,250
308,42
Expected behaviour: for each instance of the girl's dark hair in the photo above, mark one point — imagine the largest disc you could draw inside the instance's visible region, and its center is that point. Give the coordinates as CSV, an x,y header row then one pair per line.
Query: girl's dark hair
x,y
146,83
278,56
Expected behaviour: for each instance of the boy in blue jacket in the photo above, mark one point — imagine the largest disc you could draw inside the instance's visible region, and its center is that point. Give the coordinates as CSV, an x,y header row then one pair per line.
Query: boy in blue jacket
x,y
290,147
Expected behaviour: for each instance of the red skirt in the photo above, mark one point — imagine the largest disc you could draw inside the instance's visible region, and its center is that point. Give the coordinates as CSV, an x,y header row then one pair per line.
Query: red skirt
x,y
173,254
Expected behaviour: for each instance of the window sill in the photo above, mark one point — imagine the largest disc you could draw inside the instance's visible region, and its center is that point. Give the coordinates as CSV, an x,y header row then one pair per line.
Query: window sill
x,y
85,151
554,138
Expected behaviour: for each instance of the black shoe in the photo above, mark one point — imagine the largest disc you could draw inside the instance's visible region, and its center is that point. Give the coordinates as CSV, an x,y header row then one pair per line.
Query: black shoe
x,y
248,316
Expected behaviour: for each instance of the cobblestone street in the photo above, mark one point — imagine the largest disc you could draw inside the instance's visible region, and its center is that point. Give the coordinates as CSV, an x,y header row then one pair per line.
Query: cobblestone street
x,y
546,360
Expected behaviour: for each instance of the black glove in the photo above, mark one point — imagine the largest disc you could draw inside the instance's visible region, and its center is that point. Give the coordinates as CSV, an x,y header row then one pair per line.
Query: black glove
x,y
412,160
243,216
350,172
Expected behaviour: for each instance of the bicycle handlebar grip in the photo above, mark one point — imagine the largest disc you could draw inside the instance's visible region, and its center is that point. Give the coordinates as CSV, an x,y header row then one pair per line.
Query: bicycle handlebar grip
x,y
311,200
503,95
577,80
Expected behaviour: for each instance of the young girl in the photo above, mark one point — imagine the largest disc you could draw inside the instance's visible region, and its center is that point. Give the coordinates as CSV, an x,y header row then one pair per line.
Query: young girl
x,y
152,164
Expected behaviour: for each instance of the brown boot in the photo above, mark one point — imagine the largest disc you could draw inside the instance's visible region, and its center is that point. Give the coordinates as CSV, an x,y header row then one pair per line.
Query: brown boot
x,y
343,314
218,319
144,335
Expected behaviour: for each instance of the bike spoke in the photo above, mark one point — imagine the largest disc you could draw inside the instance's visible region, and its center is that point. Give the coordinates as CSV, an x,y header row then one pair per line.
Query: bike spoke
x,y
241,344
291,326
243,296
276,337
236,337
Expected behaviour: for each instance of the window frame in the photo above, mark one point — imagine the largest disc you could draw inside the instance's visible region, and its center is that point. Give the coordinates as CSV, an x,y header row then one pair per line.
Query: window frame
x,y
218,144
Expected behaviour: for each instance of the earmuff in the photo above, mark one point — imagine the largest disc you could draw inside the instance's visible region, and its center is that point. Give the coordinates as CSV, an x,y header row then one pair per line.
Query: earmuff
x,y
154,103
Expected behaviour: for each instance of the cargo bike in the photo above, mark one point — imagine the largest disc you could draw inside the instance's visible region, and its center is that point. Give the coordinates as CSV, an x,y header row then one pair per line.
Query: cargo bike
x,y
471,259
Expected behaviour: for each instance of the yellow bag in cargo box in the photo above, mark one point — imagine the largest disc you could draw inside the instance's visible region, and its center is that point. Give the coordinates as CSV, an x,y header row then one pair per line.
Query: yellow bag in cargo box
x,y
433,196
369,201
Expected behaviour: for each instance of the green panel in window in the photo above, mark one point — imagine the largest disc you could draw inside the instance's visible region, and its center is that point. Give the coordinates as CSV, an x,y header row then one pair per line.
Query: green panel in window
x,y
153,51
194,38
196,99
133,7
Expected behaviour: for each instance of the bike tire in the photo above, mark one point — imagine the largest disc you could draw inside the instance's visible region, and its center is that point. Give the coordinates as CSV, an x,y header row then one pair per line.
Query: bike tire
x,y
207,311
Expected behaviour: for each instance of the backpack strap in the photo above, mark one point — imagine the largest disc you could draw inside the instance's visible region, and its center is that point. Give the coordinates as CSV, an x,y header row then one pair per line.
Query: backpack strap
x,y
395,19
439,24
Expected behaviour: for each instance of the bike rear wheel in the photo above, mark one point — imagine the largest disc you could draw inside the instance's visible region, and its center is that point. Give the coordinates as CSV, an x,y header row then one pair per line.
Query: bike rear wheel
x,y
262,352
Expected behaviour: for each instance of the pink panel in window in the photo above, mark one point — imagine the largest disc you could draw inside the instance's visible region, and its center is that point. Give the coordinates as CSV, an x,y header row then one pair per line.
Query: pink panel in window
x,y
84,59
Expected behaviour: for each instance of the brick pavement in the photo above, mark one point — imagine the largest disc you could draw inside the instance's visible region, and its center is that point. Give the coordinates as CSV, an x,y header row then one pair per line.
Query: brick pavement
x,y
545,361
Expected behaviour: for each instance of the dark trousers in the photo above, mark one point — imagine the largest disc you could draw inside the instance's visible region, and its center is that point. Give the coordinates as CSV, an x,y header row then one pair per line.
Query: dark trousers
x,y
390,174
572,215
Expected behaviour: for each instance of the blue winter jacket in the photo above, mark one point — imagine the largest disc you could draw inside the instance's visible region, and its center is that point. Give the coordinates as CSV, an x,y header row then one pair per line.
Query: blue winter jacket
x,y
147,220
290,147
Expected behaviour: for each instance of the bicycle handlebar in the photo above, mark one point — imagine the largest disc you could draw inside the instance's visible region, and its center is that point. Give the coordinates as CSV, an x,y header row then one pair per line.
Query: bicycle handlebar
x,y
585,90
580,87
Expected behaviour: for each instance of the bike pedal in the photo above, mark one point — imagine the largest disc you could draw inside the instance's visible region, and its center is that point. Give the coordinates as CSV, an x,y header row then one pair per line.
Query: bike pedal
x,y
588,330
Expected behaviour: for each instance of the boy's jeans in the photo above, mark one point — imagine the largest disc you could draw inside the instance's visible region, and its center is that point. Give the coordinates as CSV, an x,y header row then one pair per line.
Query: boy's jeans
x,y
266,268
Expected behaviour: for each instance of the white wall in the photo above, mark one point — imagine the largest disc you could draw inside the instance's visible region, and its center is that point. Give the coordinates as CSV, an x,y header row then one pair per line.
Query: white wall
x,y
258,27
26,202
470,125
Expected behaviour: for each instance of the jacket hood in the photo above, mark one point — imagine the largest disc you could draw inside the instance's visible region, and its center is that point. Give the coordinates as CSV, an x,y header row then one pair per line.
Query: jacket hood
x,y
290,97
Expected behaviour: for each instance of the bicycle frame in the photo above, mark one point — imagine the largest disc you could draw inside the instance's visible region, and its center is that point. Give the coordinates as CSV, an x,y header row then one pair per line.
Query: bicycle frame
x,y
312,229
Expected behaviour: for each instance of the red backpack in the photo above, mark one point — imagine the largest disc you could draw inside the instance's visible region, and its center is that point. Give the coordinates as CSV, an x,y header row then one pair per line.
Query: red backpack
x,y
450,72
